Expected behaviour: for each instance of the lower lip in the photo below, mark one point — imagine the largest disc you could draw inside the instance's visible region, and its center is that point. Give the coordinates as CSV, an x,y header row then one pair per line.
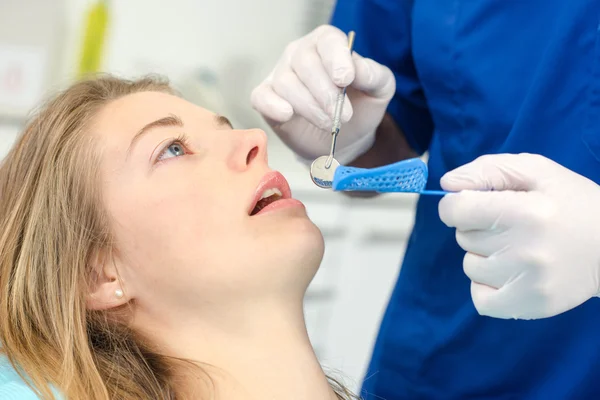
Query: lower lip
x,y
281,204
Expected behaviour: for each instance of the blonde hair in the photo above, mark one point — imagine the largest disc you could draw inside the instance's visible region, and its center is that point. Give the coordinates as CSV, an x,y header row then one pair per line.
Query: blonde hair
x,y
51,226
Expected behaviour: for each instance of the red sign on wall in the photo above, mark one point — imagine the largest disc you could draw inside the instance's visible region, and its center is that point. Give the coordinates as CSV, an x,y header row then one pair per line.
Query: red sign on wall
x,y
22,74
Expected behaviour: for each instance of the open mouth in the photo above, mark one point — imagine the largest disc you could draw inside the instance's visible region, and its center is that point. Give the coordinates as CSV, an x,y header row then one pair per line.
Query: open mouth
x,y
269,196
273,188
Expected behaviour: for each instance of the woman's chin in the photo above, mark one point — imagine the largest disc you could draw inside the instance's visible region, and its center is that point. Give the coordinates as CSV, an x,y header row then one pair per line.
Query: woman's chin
x,y
302,252
309,242
310,250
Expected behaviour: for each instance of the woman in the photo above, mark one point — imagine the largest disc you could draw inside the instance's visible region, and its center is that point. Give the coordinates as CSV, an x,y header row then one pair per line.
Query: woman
x,y
148,252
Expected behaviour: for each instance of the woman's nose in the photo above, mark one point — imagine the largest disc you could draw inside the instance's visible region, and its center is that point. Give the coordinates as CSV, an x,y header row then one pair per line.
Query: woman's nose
x,y
250,147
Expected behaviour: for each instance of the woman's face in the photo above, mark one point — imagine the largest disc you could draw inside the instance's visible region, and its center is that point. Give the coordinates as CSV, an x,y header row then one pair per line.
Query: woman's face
x,y
181,187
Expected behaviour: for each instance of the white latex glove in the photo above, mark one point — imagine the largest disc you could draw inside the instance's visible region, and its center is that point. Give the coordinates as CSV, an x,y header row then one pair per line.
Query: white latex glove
x,y
298,97
533,244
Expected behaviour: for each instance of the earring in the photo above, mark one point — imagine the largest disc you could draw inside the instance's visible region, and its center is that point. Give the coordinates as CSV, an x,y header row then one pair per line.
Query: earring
x,y
119,293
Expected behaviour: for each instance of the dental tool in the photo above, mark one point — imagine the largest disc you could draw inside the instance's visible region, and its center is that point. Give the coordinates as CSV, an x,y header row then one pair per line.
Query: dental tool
x,y
323,168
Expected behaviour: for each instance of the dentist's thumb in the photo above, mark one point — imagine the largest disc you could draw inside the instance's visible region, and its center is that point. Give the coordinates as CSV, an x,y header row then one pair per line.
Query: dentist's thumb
x,y
496,172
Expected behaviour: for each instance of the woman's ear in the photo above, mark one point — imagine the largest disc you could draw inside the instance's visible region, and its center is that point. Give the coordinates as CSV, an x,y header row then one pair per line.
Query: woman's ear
x,y
106,289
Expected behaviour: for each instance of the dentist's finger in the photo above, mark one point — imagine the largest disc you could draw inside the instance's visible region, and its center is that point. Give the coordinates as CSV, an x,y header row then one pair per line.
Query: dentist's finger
x,y
475,210
309,68
270,104
488,270
288,86
332,47
483,242
372,78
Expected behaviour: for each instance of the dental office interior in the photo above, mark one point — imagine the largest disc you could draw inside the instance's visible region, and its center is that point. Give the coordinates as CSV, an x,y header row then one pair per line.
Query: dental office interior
x,y
215,53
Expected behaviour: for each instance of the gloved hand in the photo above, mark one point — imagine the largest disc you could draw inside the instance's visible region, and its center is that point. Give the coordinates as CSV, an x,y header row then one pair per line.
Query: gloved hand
x,y
298,97
533,243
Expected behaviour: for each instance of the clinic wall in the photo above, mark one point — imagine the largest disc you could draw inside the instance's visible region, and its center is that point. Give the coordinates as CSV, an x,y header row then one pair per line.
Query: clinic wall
x,y
222,47
231,44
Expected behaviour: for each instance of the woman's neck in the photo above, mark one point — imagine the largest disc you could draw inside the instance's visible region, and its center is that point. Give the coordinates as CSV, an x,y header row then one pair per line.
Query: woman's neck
x,y
259,351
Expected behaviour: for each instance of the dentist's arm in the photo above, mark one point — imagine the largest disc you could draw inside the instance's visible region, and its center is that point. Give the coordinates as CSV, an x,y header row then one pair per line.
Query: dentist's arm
x,y
531,230
390,146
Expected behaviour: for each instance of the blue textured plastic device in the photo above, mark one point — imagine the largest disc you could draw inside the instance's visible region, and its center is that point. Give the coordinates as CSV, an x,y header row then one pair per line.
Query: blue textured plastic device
x,y
407,176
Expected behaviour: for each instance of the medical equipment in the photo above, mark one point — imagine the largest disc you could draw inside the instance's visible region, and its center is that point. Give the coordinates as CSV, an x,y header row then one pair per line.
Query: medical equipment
x,y
407,176
321,170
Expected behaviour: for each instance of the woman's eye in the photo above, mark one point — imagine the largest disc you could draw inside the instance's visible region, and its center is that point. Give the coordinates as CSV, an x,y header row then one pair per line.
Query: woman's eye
x,y
175,149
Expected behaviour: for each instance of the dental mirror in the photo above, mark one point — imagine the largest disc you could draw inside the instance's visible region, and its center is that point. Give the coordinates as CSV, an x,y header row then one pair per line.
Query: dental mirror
x,y
322,171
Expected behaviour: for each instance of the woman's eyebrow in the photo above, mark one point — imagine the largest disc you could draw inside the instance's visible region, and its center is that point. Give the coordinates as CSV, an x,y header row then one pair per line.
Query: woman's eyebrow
x,y
223,121
171,120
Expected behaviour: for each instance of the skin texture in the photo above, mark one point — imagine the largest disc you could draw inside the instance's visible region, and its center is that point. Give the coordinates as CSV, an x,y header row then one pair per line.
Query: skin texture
x,y
207,281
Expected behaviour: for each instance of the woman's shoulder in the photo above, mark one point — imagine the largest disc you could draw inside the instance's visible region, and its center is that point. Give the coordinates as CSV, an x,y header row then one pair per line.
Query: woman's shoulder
x,y
12,386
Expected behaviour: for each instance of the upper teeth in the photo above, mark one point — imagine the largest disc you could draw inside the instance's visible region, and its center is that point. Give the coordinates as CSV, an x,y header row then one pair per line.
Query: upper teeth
x,y
270,192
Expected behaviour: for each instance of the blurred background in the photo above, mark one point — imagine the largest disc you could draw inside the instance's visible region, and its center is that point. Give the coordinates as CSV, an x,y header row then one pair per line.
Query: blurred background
x,y
215,53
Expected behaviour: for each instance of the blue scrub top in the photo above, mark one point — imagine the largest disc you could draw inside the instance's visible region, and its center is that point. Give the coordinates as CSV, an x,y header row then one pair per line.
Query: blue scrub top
x,y
478,77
